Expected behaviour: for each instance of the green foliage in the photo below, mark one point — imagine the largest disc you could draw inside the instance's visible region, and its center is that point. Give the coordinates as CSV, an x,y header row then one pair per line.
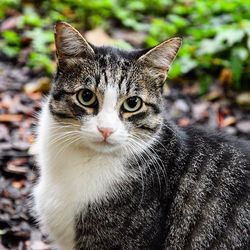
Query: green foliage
x,y
216,34
10,45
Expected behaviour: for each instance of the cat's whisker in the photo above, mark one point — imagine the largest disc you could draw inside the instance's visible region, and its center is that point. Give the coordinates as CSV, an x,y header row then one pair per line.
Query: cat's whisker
x,y
151,148
150,157
62,136
66,145
138,154
141,174
153,153
155,139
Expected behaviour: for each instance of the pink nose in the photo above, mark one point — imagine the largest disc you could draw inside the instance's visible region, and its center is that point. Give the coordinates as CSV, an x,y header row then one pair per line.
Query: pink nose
x,y
106,132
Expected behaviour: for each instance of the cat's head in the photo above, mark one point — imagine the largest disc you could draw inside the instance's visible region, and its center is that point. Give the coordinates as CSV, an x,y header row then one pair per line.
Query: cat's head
x,y
110,99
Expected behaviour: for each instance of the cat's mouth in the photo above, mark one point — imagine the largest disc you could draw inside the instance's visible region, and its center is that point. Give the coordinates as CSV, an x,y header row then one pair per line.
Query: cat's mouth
x,y
104,146
104,143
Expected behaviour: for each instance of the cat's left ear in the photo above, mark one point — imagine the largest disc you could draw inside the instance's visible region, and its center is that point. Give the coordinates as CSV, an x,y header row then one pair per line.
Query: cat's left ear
x,y
159,58
70,43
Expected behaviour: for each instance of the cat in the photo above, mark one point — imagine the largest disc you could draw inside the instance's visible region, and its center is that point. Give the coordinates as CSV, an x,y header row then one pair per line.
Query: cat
x,y
115,173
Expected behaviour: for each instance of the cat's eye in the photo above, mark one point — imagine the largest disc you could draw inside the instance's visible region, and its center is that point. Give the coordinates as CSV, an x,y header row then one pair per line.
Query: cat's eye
x,y
87,98
132,104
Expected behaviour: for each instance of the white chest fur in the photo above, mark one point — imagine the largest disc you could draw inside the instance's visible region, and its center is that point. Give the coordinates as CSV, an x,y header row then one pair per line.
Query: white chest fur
x,y
69,180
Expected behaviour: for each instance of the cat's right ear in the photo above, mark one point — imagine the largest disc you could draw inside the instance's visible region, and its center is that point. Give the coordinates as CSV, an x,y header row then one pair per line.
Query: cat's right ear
x,y
70,43
159,59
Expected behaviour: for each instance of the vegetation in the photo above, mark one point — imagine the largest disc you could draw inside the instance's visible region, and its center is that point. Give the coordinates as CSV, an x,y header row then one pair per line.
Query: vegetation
x,y
216,33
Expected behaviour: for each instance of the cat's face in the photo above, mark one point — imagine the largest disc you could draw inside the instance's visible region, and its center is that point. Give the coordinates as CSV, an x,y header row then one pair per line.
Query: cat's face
x,y
109,100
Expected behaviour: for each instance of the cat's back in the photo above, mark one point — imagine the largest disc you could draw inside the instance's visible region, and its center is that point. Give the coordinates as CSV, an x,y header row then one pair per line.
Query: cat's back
x,y
216,140
211,206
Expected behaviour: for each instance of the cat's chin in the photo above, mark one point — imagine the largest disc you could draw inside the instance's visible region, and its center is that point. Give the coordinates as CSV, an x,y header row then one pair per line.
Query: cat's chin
x,y
105,148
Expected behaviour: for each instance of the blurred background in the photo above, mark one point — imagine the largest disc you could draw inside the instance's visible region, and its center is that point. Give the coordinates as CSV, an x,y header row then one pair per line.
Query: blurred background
x,y
208,85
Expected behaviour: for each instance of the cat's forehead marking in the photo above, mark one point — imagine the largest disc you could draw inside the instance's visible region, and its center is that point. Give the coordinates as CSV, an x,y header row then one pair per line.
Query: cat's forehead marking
x,y
110,98
113,71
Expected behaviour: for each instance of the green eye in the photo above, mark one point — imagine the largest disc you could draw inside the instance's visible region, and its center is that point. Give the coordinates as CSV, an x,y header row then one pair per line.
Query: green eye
x,y
132,104
86,97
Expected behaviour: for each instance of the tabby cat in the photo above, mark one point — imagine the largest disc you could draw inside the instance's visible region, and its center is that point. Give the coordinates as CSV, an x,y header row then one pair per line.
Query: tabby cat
x,y
115,173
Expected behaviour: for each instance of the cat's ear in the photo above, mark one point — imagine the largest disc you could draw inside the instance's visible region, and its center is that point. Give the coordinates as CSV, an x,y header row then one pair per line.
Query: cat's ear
x,y
69,42
159,58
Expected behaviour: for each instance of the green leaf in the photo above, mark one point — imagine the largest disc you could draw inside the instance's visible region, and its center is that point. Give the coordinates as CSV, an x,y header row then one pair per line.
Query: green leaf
x,y
205,82
175,70
231,36
187,64
40,39
10,51
40,61
11,37
178,20
210,46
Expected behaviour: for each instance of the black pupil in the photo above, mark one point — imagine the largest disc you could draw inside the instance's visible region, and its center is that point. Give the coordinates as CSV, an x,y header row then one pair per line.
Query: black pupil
x,y
132,102
87,95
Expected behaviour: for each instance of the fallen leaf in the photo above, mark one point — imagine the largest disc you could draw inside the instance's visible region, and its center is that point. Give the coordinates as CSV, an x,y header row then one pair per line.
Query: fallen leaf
x,y
226,77
18,184
243,99
35,96
213,95
135,38
16,169
227,121
16,166
10,118
99,37
40,85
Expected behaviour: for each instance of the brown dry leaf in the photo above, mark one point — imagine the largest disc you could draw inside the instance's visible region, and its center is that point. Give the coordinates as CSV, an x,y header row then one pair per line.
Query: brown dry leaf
x,y
19,161
228,121
35,96
10,118
243,99
30,139
99,37
135,38
68,12
213,95
11,168
226,77
41,85
18,184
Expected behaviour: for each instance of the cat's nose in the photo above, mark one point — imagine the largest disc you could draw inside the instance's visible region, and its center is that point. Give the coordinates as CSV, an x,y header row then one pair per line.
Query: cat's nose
x,y
106,132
